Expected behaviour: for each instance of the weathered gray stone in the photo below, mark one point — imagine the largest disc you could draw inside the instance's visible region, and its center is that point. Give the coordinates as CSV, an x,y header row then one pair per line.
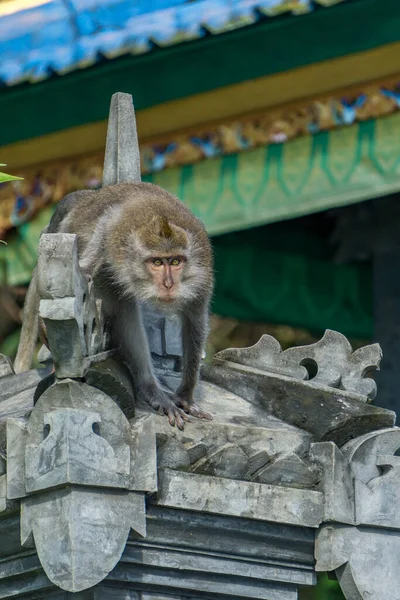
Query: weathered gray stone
x,y
329,414
337,483
70,311
376,474
122,157
146,596
240,498
143,474
81,533
12,385
6,367
290,470
116,435
113,378
241,539
196,450
211,585
164,336
16,440
58,267
74,452
6,505
3,493
330,362
365,560
228,460
172,454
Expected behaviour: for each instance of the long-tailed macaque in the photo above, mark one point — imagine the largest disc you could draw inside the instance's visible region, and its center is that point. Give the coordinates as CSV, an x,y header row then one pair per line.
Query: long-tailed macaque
x,y
141,246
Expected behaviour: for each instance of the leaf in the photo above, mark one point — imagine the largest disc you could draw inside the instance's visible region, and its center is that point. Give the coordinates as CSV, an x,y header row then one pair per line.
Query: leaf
x,y
4,177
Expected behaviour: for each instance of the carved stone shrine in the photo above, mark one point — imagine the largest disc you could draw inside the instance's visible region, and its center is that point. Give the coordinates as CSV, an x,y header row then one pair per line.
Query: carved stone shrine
x,y
100,498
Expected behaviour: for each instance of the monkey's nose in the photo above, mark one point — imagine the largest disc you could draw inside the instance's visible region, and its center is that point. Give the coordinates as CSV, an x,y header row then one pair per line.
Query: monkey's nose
x,y
168,284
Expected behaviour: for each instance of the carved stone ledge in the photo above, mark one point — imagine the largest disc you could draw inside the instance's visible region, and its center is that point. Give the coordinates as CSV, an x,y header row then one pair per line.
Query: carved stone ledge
x,y
240,499
329,362
329,414
261,454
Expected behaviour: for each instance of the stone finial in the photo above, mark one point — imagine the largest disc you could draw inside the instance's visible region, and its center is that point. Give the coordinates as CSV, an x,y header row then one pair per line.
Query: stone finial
x,y
122,157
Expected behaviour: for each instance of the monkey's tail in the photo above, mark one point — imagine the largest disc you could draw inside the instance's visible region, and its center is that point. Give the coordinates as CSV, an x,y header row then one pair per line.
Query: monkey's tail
x,y
30,327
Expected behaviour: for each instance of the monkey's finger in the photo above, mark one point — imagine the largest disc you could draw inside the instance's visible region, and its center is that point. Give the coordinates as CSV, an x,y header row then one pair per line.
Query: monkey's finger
x,y
179,422
200,414
193,409
171,418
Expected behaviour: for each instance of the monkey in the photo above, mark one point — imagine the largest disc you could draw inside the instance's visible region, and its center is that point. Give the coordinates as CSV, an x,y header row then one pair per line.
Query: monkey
x,y
141,246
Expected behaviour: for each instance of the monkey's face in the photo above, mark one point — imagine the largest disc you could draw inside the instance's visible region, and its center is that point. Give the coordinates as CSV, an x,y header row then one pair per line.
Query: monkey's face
x,y
166,274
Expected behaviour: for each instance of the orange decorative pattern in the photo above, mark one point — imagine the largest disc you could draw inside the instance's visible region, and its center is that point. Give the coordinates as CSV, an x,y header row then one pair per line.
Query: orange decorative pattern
x,y
21,200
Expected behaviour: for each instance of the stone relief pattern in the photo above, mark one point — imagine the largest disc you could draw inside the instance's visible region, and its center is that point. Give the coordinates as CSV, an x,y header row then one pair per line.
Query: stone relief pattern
x,y
250,457
330,361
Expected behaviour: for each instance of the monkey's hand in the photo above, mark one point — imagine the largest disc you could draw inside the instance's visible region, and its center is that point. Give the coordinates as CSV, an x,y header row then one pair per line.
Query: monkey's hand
x,y
184,402
165,405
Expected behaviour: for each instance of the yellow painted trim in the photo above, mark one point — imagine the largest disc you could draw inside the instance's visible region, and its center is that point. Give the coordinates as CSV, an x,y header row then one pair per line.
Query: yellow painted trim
x,y
12,6
218,105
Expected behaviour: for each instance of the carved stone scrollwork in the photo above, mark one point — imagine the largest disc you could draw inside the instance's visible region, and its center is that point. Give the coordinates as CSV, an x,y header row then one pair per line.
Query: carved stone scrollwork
x,y
321,388
330,361
364,535
80,472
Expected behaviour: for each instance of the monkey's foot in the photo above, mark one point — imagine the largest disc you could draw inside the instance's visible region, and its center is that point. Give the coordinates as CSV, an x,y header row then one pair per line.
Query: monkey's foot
x,y
190,408
163,405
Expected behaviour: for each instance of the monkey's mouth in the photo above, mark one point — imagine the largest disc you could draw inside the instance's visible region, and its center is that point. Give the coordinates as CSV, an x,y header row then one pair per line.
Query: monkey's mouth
x,y
166,298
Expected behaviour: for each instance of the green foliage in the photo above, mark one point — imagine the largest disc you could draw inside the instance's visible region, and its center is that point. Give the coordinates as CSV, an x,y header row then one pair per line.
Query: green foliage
x,y
4,177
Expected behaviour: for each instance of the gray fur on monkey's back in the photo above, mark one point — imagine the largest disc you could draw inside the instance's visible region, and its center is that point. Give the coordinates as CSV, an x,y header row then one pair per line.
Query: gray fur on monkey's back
x,y
80,211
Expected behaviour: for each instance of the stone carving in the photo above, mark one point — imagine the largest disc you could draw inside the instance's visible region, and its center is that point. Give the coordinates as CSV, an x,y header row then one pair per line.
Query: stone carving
x,y
65,545
255,454
330,362
367,528
71,313
276,380
75,442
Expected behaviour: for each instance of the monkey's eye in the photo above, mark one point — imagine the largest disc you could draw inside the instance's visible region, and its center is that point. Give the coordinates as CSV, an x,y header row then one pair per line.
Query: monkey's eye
x,y
157,262
175,262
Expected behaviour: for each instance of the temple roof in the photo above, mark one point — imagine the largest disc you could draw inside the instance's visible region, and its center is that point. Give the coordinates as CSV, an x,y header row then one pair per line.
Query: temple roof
x,y
40,38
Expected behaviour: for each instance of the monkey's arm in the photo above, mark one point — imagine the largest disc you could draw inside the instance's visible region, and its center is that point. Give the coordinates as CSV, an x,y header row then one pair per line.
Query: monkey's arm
x,y
194,334
30,327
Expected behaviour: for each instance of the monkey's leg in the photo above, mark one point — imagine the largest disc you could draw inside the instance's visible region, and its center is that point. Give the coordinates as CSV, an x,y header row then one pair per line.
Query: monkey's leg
x,y
130,336
194,333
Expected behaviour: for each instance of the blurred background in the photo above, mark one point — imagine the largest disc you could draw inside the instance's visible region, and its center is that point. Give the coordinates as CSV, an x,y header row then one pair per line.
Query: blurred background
x,y
276,121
